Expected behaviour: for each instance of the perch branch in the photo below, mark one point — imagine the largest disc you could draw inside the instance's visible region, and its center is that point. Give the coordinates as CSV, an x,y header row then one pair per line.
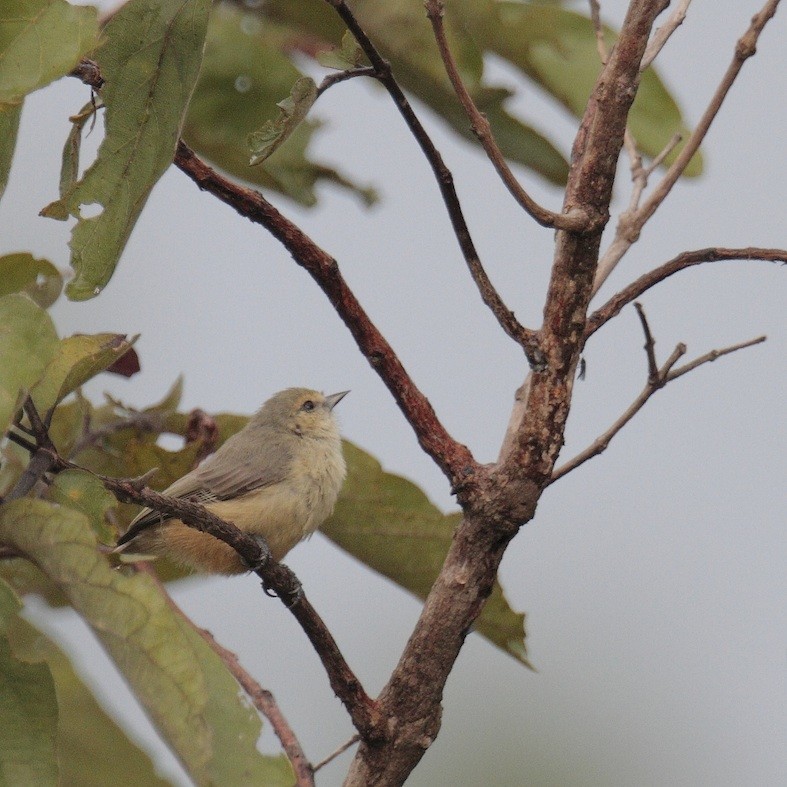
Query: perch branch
x,y
452,457
480,126
445,180
631,223
685,260
275,576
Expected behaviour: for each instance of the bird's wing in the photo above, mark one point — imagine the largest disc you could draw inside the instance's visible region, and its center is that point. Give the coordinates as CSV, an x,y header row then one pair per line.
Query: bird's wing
x,y
230,472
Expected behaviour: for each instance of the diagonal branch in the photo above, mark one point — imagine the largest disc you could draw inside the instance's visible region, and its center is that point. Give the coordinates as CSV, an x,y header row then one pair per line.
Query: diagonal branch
x,y
663,33
632,222
453,458
575,220
685,260
525,337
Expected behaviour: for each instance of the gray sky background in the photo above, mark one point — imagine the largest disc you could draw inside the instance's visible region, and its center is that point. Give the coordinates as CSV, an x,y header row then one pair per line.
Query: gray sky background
x,y
653,577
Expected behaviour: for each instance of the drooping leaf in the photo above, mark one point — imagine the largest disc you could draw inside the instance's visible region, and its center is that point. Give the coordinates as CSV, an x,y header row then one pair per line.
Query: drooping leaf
x,y
92,751
149,60
293,111
185,689
28,710
244,74
79,358
28,342
22,272
389,524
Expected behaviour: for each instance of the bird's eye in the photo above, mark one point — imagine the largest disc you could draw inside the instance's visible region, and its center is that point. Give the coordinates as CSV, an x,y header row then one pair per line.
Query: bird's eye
x,y
308,405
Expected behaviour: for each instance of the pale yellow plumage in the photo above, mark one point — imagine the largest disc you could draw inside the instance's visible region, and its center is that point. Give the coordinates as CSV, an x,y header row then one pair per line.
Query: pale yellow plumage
x,y
278,477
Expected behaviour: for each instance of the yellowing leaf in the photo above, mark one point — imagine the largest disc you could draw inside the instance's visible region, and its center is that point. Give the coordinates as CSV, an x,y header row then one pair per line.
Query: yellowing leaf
x,y
185,689
27,344
79,358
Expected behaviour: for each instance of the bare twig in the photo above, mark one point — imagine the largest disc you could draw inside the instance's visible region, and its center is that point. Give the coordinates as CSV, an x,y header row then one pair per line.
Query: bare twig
x,y
601,44
685,260
712,356
631,223
445,180
666,374
650,345
663,33
333,755
481,128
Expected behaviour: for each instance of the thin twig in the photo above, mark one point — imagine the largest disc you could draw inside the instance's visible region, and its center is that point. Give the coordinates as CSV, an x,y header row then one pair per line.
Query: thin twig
x,y
631,223
650,345
663,33
664,375
685,260
598,27
333,755
575,221
712,356
445,180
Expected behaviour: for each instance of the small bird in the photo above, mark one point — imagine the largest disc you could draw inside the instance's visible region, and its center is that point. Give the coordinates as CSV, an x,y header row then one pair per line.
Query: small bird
x,y
278,478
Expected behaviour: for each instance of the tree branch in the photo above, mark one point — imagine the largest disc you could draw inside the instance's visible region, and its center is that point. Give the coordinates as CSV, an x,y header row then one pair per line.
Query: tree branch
x,y
453,458
685,260
631,223
445,181
663,375
480,126
650,345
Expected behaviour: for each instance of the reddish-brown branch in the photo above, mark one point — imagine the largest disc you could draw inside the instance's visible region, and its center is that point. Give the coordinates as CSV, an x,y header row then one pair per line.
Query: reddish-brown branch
x,y
452,457
685,260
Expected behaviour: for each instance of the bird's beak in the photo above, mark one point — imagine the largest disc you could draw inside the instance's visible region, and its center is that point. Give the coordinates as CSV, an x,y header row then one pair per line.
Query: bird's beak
x,y
334,399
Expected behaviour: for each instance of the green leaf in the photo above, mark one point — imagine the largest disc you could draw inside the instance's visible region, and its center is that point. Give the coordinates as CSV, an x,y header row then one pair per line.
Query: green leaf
x,y
85,493
179,680
79,359
244,74
294,109
150,60
389,524
22,272
557,49
27,344
28,710
345,57
92,751
9,127
41,40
